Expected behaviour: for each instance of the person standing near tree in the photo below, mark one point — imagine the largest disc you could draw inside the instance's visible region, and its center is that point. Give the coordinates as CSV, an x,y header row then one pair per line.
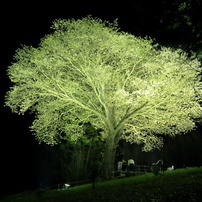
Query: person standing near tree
x,y
131,165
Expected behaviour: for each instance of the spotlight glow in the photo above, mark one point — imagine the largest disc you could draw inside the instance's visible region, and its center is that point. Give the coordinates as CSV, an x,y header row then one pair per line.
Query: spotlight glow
x,y
66,185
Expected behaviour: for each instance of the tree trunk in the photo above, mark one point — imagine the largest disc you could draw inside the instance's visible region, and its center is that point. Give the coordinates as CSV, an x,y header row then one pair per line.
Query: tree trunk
x,y
107,166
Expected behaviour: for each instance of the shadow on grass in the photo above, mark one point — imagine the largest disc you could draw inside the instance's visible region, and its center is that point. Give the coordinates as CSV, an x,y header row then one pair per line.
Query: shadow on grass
x,y
177,185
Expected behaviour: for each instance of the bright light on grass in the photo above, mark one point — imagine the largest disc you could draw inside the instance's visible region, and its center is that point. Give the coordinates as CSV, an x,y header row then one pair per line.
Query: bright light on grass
x,y
66,185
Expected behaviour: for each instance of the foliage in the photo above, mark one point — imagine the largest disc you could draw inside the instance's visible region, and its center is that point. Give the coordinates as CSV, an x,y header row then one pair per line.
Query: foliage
x,y
175,23
182,20
85,156
67,161
86,71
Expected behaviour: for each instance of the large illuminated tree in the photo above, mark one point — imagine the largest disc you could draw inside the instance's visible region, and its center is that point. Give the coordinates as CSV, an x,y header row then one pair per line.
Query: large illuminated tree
x,y
86,71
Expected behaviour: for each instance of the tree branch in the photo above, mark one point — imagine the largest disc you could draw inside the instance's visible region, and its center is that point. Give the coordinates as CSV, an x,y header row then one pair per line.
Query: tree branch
x,y
74,100
128,116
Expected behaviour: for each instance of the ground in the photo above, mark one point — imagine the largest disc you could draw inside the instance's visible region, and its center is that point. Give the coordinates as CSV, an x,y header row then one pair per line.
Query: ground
x,y
178,185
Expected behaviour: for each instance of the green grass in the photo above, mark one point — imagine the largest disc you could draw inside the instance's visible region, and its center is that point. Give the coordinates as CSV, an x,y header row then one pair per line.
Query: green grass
x,y
178,185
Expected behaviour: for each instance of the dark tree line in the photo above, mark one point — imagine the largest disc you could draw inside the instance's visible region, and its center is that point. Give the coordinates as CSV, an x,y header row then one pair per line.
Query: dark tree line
x,y
68,161
174,23
77,163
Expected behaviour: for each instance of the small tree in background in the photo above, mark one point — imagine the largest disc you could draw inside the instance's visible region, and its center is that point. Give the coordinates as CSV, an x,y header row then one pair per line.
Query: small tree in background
x,y
86,71
86,155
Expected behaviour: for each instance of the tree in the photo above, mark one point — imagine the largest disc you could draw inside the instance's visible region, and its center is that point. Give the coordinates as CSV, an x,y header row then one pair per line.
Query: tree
x,y
87,71
181,20
175,23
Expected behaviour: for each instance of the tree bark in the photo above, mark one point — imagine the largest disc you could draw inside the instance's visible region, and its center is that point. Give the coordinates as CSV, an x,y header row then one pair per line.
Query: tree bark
x,y
107,166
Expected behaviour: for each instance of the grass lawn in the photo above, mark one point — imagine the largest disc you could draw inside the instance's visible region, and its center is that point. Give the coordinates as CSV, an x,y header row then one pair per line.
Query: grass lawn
x,y
174,186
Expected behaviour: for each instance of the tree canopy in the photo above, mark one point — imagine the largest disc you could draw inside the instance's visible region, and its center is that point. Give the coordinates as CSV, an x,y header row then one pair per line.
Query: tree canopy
x,y
87,71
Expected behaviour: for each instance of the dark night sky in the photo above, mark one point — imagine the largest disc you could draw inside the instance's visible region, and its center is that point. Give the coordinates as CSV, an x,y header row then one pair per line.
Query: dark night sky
x,y
27,24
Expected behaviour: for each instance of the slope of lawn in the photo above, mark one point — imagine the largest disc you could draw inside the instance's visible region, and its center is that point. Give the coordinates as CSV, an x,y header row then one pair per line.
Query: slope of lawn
x,y
178,185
